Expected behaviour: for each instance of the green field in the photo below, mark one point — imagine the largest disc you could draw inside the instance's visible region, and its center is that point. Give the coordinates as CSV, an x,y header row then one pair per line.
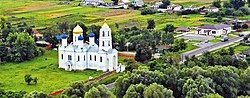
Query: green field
x,y
47,13
45,68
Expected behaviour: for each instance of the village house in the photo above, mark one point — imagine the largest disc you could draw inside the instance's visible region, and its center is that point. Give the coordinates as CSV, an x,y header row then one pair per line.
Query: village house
x,y
212,9
93,2
192,8
171,9
214,30
138,3
156,5
174,7
182,29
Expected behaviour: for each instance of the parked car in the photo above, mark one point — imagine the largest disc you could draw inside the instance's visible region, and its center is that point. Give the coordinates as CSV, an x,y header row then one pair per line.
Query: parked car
x,y
225,38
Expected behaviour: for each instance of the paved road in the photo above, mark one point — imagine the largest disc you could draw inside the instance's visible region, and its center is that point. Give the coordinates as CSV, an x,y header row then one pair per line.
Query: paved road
x,y
218,45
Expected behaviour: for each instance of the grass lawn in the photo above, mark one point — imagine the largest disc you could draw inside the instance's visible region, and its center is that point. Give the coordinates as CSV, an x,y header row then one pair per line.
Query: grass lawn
x,y
190,46
45,68
216,39
241,48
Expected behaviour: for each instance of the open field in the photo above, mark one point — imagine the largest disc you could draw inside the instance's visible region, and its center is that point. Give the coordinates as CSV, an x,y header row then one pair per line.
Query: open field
x,y
45,68
47,13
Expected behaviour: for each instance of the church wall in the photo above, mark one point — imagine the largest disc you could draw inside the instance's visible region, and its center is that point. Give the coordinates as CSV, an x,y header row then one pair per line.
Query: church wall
x,y
80,62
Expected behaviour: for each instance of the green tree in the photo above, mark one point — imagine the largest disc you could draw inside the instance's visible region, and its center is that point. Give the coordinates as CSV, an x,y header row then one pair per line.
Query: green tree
x,y
22,47
165,3
3,21
167,38
248,1
217,3
115,2
100,91
157,91
237,3
143,53
231,51
135,91
245,78
169,28
95,29
28,79
198,88
3,52
178,45
227,4
151,24
36,94
63,27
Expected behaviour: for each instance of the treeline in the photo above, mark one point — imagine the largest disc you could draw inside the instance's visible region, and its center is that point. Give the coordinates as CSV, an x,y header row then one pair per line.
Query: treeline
x,y
22,94
170,82
17,43
230,8
130,39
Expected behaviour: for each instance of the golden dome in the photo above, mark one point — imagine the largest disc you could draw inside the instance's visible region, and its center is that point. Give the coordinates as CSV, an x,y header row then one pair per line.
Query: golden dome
x,y
77,30
105,25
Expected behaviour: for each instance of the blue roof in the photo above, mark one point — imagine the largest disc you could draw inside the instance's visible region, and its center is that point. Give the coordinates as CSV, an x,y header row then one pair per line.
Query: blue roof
x,y
63,36
80,37
92,34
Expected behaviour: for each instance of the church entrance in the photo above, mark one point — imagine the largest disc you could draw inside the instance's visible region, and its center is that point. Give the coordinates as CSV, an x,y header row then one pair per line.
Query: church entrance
x,y
68,66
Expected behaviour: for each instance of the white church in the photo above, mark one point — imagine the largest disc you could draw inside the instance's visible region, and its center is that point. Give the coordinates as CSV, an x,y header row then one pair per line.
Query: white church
x,y
79,55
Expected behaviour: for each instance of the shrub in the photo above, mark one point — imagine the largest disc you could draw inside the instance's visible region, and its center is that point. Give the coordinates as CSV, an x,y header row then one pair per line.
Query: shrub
x,y
245,10
245,26
147,11
238,13
215,14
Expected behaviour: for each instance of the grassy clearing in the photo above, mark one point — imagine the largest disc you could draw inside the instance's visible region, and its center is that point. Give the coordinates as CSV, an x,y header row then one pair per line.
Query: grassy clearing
x,y
47,13
190,46
45,68
241,48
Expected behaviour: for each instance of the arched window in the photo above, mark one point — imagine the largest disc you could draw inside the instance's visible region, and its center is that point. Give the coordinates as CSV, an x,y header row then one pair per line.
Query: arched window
x,y
103,33
62,56
90,57
78,59
84,57
69,57
100,59
95,57
102,43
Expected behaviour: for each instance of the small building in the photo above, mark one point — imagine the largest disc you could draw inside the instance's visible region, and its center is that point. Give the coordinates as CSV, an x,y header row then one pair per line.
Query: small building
x,y
214,30
212,9
156,5
182,29
93,2
192,8
174,8
138,3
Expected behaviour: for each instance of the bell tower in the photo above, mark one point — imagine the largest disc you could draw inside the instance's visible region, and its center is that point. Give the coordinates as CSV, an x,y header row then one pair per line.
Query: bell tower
x,y
105,38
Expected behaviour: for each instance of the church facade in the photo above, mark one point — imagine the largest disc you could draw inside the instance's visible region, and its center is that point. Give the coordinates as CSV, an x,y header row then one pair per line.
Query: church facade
x,y
79,55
